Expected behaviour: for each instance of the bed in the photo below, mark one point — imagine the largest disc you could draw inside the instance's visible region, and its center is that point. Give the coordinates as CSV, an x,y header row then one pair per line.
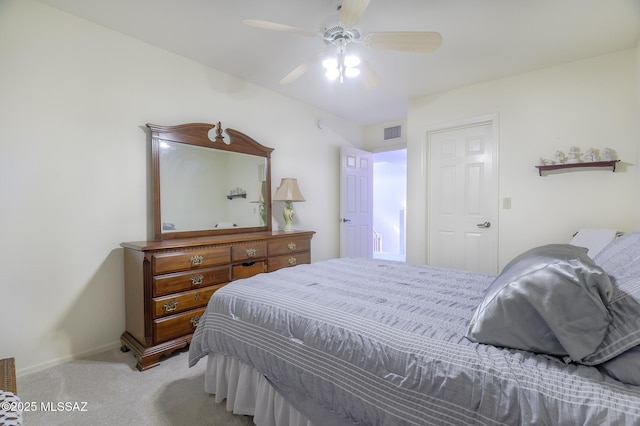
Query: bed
x,y
552,340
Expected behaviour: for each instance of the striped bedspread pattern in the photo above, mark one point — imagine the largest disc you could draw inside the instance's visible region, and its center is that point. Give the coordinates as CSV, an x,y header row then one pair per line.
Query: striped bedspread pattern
x,y
382,343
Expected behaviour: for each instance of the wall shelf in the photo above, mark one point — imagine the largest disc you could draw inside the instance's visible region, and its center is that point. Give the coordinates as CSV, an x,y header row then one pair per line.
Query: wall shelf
x,y
232,196
549,167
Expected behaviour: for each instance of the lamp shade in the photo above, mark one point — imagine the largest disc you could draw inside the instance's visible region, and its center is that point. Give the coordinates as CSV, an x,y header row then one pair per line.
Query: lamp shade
x,y
258,197
288,191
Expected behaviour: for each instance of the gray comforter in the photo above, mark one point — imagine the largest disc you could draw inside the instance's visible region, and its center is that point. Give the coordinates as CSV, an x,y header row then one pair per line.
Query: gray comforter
x,y
375,342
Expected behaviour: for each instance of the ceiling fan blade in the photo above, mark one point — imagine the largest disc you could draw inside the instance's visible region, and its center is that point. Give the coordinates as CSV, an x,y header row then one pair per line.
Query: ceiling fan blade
x,y
352,10
406,41
265,25
296,73
300,69
369,77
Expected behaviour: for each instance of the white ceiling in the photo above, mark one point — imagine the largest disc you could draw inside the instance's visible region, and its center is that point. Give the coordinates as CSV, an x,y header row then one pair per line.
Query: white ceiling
x,y
482,40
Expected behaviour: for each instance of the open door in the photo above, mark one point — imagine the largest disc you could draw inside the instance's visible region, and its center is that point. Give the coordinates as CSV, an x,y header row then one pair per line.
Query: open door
x,y
356,203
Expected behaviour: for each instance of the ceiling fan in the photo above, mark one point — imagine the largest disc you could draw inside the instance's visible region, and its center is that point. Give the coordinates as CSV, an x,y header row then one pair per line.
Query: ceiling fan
x,y
340,33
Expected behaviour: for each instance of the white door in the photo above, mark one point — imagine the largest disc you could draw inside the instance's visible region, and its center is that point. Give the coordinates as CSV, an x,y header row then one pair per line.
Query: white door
x,y
463,198
356,203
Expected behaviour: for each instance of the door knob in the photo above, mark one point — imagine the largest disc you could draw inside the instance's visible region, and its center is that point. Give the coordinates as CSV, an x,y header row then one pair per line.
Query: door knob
x,y
344,219
486,224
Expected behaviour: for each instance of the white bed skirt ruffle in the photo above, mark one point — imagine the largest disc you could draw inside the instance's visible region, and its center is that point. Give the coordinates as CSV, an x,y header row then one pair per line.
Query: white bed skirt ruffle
x,y
248,393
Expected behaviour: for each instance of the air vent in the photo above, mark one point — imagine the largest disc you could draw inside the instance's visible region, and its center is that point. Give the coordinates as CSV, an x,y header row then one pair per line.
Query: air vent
x,y
394,132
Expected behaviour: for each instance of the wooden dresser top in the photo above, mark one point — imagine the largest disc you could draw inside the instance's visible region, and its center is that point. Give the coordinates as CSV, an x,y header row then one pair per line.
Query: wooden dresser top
x,y
218,239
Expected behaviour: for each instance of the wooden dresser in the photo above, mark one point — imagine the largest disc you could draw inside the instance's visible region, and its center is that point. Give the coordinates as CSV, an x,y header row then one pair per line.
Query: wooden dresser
x,y
169,282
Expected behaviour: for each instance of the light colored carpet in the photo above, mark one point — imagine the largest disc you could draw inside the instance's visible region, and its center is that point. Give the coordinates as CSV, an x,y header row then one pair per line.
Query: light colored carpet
x,y
116,393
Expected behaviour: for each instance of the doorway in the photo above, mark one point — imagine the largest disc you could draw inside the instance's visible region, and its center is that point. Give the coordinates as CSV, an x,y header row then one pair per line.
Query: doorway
x,y
389,204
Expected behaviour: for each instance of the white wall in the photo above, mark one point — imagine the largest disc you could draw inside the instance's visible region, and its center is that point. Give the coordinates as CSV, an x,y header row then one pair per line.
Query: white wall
x,y
74,99
589,103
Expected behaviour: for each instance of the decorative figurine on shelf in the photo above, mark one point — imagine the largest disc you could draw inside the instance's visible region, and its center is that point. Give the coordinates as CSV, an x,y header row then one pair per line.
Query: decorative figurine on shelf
x,y
560,157
590,155
237,192
574,155
608,154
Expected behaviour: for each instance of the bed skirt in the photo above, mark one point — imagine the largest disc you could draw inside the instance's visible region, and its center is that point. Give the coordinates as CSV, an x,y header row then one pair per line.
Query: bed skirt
x,y
248,393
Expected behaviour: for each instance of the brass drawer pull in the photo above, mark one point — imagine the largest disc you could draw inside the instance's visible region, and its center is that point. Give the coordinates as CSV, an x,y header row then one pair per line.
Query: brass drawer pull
x,y
196,260
196,296
292,246
251,252
292,261
195,321
171,305
197,279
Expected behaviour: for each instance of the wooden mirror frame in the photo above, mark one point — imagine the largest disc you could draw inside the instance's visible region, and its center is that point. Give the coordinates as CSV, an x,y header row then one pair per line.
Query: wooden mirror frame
x,y
198,134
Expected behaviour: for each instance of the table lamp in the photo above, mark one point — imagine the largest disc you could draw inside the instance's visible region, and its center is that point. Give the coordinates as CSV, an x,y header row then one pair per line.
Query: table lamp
x,y
288,192
259,198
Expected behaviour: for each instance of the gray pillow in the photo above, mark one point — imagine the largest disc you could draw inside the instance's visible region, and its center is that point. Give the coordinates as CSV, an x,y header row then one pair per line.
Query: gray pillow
x,y
621,255
625,367
621,261
551,299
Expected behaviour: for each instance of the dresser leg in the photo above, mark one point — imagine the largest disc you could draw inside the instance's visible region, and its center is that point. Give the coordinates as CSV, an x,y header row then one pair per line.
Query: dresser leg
x,y
150,357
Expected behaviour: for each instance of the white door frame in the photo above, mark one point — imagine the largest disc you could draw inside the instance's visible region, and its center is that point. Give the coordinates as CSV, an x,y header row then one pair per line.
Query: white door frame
x,y
473,121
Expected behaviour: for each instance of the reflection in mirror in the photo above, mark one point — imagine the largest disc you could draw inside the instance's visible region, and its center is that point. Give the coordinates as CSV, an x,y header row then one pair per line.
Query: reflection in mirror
x,y
203,188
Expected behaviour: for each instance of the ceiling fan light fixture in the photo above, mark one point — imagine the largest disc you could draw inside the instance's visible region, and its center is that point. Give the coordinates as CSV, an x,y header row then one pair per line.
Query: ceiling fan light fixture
x,y
351,61
329,63
332,73
341,32
352,72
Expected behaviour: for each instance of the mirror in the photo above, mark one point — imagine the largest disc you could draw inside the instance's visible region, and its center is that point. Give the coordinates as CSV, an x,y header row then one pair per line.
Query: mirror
x,y
204,185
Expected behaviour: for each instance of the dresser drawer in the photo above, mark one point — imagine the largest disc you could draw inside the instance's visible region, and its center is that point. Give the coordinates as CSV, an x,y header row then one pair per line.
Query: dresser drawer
x,y
176,303
250,269
241,252
163,263
174,326
279,262
181,281
289,245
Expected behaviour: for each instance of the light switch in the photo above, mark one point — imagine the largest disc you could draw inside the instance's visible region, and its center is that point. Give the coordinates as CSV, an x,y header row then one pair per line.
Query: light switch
x,y
506,203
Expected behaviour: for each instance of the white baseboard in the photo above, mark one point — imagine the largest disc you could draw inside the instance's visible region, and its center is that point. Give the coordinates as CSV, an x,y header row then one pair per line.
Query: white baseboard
x,y
52,363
